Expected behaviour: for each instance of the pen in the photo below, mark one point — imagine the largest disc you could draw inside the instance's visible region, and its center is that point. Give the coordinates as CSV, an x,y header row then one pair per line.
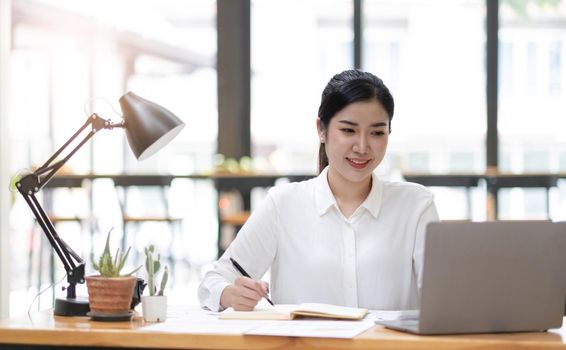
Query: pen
x,y
245,274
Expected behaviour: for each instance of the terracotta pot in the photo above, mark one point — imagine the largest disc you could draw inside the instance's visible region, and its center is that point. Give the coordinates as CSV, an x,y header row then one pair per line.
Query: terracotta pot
x,y
110,295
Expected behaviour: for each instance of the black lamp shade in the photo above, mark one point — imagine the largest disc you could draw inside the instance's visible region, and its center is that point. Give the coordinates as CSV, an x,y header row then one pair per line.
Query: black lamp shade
x,y
149,127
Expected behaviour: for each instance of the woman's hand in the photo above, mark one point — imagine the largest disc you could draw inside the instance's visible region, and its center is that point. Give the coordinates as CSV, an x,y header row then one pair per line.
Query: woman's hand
x,y
244,294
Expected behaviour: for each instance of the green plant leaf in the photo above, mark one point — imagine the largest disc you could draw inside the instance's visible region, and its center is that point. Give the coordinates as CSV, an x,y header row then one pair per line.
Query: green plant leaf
x,y
109,266
132,272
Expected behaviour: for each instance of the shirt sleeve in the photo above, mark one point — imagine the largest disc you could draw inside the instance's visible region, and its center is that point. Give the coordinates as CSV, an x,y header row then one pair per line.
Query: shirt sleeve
x,y
429,215
254,248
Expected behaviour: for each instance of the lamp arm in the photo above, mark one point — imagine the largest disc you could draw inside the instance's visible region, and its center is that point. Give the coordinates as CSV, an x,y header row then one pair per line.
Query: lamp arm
x,y
31,183
50,169
74,268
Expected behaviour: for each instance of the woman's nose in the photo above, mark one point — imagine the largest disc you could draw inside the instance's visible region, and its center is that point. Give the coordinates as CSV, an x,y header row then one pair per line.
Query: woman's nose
x,y
361,145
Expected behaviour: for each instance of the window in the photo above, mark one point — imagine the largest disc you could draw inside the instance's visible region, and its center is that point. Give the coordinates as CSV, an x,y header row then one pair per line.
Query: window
x,y
163,51
532,68
506,68
531,114
430,55
297,46
555,68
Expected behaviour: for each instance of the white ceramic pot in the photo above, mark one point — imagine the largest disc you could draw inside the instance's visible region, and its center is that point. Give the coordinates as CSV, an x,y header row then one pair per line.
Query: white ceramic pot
x,y
154,308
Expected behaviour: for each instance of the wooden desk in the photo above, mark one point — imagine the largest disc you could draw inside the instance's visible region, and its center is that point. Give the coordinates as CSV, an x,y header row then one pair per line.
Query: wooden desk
x,y
44,329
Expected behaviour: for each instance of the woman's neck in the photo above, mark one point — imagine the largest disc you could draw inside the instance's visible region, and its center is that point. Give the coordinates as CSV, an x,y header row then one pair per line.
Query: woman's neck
x,y
348,194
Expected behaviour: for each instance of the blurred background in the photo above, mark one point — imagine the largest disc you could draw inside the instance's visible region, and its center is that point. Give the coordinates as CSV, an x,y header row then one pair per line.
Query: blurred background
x,y
246,77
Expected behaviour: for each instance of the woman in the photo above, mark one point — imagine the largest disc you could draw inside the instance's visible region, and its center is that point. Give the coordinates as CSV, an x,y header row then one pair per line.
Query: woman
x,y
344,237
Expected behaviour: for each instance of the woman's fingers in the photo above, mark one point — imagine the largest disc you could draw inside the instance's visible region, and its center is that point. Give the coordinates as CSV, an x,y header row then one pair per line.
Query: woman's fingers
x,y
247,293
254,289
265,288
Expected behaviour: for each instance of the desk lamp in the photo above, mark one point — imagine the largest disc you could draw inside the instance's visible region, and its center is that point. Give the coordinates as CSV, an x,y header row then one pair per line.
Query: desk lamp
x,y
149,127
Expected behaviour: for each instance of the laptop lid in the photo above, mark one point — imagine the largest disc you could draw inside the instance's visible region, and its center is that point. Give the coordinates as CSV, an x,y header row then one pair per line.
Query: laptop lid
x,y
493,277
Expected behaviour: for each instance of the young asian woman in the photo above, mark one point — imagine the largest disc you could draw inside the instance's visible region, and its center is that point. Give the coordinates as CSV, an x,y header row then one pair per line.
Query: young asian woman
x,y
345,237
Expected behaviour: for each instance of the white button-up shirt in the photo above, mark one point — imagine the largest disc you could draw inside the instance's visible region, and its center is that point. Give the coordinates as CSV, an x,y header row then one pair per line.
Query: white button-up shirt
x,y
372,259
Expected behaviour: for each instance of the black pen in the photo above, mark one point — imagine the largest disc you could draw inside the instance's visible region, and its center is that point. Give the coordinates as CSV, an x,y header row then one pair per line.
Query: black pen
x,y
245,274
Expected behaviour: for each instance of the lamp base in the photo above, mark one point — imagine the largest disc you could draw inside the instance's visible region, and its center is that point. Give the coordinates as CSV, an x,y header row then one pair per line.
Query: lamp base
x,y
71,307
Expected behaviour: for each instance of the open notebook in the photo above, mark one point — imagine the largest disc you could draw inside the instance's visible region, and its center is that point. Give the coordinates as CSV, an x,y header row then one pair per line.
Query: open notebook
x,y
290,312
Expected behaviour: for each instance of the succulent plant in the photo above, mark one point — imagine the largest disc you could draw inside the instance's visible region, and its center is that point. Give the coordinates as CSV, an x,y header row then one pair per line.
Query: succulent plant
x,y
109,266
152,267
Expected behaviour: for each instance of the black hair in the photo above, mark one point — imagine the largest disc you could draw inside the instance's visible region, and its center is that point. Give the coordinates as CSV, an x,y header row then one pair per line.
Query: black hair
x,y
344,89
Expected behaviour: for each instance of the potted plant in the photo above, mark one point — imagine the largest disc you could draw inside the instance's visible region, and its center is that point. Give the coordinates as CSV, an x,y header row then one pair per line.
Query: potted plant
x,y
110,292
154,305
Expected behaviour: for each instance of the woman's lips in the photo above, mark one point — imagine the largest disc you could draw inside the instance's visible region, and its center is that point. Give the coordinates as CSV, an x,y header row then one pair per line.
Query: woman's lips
x,y
358,163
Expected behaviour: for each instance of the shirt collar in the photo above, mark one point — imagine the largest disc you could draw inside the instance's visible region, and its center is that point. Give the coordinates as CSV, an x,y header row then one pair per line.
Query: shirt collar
x,y
325,199
323,195
373,200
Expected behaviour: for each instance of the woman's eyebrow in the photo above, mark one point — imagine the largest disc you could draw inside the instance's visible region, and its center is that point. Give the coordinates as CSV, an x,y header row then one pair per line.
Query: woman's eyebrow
x,y
375,125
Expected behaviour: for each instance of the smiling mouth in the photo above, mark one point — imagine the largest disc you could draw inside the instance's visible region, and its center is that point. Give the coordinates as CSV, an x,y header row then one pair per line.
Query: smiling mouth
x,y
357,163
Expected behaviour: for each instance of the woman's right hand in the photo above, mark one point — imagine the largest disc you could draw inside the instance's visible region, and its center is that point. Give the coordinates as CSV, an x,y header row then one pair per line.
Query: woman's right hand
x,y
244,294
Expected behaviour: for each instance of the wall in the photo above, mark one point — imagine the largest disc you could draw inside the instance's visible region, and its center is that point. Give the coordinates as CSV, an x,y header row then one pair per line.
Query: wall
x,y
5,30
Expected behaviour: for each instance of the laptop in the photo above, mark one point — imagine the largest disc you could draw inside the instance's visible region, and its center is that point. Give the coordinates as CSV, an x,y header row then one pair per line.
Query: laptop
x,y
491,277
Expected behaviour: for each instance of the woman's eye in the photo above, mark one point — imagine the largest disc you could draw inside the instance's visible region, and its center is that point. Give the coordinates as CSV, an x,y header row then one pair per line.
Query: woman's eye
x,y
347,130
378,133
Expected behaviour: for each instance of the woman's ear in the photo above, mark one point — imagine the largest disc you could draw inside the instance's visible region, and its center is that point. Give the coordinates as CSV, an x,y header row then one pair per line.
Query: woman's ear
x,y
320,131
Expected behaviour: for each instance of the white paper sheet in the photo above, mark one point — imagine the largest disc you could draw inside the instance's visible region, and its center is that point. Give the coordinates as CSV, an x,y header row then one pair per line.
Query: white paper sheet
x,y
313,328
197,321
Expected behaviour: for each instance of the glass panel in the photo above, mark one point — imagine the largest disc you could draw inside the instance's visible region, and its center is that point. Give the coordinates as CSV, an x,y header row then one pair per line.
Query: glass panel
x,y
531,113
522,204
532,103
297,46
163,51
431,56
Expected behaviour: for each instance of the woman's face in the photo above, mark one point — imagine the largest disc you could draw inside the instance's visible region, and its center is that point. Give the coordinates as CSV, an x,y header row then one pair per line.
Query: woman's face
x,y
356,140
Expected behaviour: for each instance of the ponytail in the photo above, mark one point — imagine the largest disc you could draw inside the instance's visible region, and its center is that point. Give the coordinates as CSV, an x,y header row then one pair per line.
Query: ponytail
x,y
322,158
